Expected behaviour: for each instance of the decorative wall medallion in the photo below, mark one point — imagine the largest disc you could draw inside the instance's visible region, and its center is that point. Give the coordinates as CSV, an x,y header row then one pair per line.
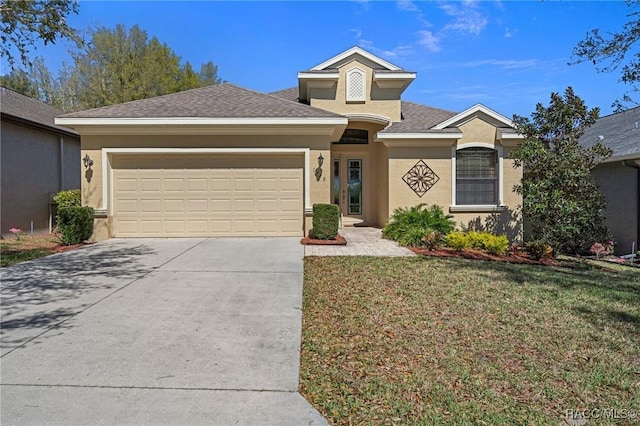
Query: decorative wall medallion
x,y
420,178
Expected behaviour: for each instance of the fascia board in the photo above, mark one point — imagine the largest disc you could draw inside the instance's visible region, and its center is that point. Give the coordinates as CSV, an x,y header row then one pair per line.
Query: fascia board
x,y
359,51
470,111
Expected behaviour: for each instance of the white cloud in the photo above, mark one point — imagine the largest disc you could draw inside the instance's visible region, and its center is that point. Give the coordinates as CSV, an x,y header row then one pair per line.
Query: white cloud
x,y
408,6
507,33
506,64
466,18
428,40
357,32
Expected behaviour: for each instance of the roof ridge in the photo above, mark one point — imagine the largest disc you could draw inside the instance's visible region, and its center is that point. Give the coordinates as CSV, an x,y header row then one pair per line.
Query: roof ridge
x,y
619,112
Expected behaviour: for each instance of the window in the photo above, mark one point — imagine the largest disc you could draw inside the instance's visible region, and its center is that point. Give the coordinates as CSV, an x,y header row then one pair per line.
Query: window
x,y
477,177
356,85
354,136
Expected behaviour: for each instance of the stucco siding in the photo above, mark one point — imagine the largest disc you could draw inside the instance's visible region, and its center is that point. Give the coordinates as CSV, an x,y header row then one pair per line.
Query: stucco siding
x,y
619,185
383,102
33,168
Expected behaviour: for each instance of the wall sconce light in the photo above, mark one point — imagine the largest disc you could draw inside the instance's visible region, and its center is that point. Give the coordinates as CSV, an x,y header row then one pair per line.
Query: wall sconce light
x,y
318,171
88,162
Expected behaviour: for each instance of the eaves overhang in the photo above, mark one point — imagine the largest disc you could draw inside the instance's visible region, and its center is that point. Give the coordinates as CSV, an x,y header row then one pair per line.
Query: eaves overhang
x,y
417,139
331,126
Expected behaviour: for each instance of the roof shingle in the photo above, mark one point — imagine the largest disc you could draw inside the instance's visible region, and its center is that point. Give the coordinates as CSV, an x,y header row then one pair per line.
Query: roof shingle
x,y
25,108
620,132
218,101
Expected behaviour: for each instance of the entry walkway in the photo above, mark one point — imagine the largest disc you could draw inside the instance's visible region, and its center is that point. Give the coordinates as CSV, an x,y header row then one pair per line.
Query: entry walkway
x,y
361,241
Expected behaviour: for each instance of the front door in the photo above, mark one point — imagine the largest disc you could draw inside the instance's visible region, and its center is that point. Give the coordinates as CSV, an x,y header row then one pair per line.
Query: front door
x,y
347,186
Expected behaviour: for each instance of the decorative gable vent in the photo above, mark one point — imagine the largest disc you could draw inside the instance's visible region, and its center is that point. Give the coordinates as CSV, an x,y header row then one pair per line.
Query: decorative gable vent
x,y
356,85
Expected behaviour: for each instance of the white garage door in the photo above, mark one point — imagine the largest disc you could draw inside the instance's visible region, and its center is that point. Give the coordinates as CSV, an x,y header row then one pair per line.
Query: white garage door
x,y
207,195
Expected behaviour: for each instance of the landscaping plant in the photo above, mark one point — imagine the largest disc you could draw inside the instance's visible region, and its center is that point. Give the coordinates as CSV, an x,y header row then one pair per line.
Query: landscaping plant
x,y
408,226
560,198
74,222
493,244
326,220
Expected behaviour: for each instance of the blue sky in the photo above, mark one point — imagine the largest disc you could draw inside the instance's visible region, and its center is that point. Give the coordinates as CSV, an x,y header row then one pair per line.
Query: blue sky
x,y
508,55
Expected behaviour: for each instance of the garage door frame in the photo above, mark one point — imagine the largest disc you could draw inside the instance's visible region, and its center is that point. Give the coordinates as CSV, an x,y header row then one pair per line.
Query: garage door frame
x,y
107,171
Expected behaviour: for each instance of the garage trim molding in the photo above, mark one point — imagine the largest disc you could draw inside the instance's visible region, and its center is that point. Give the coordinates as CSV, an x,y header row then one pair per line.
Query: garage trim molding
x,y
107,173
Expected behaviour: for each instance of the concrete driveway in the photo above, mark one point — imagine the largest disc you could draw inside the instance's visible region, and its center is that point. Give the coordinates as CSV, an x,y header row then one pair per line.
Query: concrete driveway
x,y
155,331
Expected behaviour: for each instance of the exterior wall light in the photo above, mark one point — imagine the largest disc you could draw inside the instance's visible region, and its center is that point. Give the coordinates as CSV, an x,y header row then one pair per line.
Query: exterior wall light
x,y
318,171
88,162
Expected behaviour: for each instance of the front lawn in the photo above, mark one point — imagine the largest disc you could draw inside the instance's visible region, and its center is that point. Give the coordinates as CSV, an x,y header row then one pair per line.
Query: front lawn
x,y
455,341
29,247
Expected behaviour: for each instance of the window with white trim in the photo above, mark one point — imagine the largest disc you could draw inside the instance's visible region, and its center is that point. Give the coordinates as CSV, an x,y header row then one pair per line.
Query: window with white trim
x,y
356,85
477,177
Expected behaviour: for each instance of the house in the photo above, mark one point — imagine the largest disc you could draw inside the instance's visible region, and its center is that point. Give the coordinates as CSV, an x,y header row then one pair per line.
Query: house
x,y
619,176
38,159
223,160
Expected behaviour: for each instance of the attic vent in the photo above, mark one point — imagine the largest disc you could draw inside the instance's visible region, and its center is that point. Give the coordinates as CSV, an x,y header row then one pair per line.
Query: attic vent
x,y
356,85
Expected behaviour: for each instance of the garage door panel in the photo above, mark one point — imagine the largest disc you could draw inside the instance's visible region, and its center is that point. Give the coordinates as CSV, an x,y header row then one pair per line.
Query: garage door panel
x,y
197,185
150,206
174,206
210,196
221,206
173,184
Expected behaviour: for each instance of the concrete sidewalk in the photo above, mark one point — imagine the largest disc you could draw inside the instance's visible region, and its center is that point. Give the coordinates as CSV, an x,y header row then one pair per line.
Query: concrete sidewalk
x,y
156,331
361,241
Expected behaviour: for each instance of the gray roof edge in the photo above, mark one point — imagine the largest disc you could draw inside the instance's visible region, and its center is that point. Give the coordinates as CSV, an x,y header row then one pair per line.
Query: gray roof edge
x,y
51,128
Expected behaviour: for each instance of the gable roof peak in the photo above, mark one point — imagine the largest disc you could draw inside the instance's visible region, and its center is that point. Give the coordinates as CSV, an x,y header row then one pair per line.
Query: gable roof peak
x,y
356,50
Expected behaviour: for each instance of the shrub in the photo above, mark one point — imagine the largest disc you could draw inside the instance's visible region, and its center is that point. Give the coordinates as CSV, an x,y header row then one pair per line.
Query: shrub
x,y
538,249
433,240
69,198
408,226
494,244
457,241
326,219
75,224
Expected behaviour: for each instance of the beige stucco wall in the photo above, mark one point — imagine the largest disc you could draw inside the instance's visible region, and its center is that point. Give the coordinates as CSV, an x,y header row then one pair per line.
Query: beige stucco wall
x,y
619,185
437,155
92,145
33,167
382,102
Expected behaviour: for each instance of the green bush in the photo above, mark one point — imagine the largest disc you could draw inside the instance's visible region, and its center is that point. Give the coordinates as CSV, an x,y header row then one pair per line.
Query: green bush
x,y
538,249
494,244
457,240
75,224
326,219
408,226
69,198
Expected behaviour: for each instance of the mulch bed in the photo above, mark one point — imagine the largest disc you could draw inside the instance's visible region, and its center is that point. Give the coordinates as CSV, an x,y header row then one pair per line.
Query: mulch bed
x,y
521,258
338,241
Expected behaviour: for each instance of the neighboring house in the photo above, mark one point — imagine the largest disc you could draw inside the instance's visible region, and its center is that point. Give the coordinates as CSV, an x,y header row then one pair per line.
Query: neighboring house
x,y
223,160
38,159
619,176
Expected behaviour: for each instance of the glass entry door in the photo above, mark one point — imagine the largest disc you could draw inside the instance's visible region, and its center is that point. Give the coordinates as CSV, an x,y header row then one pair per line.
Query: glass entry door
x,y
354,187
347,186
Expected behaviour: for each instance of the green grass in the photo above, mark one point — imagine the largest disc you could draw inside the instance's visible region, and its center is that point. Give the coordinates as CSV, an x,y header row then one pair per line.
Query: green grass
x,y
14,251
442,341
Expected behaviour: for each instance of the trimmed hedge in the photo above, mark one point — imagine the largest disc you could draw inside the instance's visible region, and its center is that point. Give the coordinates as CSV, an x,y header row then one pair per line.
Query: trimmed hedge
x,y
75,224
326,220
69,198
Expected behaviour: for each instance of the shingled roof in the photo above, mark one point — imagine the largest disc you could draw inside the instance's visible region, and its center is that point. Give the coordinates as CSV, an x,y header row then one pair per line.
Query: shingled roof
x,y
218,101
416,118
620,132
26,109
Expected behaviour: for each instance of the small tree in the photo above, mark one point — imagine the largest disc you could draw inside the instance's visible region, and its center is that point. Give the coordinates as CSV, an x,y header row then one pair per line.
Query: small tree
x,y
561,199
